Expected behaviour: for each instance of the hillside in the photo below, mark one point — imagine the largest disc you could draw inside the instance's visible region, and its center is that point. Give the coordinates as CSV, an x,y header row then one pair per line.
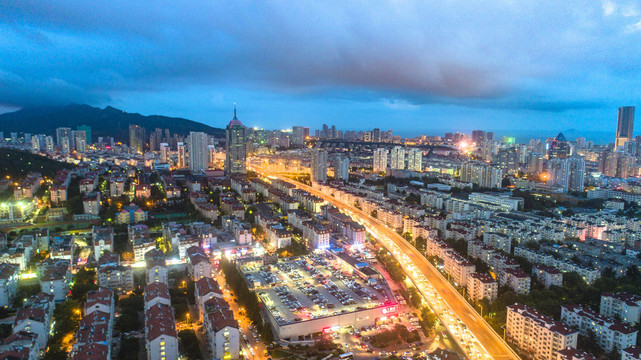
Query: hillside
x,y
104,122
17,164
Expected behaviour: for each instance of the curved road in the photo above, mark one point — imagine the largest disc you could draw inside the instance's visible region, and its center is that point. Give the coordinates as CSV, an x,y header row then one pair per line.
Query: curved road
x,y
491,342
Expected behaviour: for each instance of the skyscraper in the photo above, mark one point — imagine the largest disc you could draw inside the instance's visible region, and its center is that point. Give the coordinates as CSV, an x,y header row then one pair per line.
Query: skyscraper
x,y
236,160
577,173
137,137
380,160
398,158
198,151
319,165
298,133
342,168
625,125
415,159
558,147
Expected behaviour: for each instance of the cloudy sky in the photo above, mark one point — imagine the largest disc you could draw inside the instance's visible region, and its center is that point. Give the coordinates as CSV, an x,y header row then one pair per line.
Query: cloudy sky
x,y
420,65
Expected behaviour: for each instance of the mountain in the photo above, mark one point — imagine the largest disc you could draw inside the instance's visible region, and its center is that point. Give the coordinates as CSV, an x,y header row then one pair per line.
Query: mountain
x,y
104,122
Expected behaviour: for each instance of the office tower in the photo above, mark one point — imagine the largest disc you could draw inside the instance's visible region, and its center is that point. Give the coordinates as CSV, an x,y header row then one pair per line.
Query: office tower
x,y
625,125
137,138
325,132
182,155
398,158
558,147
507,159
333,133
484,143
415,160
198,151
380,160
341,169
164,153
576,179
535,163
319,165
376,135
580,143
298,134
87,130
61,133
49,143
306,133
559,173
236,160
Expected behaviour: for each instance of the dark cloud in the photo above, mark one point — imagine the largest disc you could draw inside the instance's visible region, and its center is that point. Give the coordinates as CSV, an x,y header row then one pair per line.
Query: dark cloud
x,y
494,54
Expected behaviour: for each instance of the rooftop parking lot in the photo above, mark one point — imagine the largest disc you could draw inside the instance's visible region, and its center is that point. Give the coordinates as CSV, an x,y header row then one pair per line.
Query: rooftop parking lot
x,y
314,286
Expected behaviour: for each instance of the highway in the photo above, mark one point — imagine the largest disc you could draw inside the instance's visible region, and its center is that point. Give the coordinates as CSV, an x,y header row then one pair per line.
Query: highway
x,y
473,334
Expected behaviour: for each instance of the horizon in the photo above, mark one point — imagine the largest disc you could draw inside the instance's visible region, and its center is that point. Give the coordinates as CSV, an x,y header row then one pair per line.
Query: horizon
x,y
331,62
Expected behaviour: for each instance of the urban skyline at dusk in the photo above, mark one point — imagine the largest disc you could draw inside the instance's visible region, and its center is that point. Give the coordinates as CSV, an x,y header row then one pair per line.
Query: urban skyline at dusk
x,y
559,64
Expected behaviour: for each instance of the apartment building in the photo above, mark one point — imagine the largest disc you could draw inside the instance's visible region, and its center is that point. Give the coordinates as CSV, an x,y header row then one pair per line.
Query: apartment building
x,y
623,306
537,334
458,267
609,334
482,286
547,275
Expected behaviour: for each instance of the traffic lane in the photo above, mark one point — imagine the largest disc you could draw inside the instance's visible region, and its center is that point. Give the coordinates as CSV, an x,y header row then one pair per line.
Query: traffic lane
x,y
492,344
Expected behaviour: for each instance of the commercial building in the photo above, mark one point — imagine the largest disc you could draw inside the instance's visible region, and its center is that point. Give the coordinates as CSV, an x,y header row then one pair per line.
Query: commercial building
x,y
313,282
236,147
536,334
625,125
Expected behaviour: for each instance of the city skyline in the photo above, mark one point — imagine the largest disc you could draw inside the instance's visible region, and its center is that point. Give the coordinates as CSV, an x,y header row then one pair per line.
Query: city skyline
x,y
494,81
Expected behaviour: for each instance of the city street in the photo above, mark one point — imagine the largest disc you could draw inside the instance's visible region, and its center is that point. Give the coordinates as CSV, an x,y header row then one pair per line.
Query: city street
x,y
470,329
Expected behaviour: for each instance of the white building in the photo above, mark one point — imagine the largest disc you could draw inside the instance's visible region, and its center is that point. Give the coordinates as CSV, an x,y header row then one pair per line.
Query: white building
x,y
380,160
458,267
482,286
623,306
415,160
222,329
517,280
198,263
609,334
537,333
9,278
547,275
398,158
160,333
319,165
156,269
103,240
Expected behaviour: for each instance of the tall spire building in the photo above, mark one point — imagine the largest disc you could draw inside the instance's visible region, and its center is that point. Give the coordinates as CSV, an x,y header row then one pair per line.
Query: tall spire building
x,y
625,125
236,160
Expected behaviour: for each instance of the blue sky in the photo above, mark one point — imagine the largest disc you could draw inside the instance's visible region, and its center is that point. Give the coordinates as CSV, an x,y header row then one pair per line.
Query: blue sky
x,y
406,65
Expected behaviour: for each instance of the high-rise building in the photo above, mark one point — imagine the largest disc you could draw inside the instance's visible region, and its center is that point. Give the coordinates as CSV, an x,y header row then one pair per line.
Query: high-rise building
x,y
558,147
61,133
625,125
182,156
482,175
198,151
319,165
80,141
507,159
298,133
137,137
49,143
559,173
342,168
236,160
398,158
380,160
376,135
164,153
415,160
576,181
87,130
155,138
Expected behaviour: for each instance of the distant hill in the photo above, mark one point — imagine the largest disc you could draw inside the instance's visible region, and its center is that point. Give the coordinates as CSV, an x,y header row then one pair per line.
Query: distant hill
x,y
104,122
17,164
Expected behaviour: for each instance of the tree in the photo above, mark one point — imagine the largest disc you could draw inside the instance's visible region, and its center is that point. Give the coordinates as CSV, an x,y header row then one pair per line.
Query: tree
x,y
84,281
189,346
